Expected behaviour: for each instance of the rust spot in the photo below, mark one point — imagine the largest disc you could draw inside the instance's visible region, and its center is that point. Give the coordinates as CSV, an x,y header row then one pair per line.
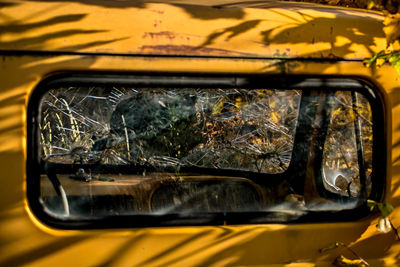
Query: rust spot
x,y
158,11
189,50
156,23
166,34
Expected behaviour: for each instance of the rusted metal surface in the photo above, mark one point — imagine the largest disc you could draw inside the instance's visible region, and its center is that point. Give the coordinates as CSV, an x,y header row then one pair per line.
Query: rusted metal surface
x,y
190,50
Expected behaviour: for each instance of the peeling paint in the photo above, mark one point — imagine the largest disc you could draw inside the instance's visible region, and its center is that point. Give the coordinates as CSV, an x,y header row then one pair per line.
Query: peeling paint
x,y
158,11
189,50
166,34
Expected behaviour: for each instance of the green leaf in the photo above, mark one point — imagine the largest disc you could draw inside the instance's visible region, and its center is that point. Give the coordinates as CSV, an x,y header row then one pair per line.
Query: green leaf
x,y
395,61
371,204
371,5
383,57
385,209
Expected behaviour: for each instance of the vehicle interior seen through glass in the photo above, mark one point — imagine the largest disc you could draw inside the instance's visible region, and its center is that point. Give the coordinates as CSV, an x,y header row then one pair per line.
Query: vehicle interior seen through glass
x,y
159,150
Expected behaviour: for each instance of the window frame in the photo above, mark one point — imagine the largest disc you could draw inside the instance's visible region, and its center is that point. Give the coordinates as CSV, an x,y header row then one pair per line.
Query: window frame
x,y
292,82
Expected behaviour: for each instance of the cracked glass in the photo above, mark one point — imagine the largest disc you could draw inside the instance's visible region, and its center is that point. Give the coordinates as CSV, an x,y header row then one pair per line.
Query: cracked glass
x,y
121,151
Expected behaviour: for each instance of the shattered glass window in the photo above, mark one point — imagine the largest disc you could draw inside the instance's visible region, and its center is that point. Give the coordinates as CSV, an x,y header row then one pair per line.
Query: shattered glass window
x,y
224,129
111,150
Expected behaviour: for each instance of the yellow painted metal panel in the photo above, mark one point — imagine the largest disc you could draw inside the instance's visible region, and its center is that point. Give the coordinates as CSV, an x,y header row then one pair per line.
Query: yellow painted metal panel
x,y
93,27
266,29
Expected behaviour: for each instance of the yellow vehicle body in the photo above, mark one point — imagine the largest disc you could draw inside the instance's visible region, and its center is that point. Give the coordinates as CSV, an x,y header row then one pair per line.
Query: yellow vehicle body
x,y
39,38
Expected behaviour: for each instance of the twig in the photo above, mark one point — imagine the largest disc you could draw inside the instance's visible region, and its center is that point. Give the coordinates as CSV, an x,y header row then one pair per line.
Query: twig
x,y
126,136
354,253
338,244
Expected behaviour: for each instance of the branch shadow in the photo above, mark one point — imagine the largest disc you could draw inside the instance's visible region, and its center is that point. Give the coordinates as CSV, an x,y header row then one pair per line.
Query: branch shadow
x,y
7,4
122,250
37,42
244,250
16,28
234,31
385,240
394,97
196,11
299,31
13,97
42,251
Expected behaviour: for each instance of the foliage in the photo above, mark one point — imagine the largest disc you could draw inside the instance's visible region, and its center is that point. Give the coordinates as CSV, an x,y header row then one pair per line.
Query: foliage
x,y
384,208
391,57
384,224
391,28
